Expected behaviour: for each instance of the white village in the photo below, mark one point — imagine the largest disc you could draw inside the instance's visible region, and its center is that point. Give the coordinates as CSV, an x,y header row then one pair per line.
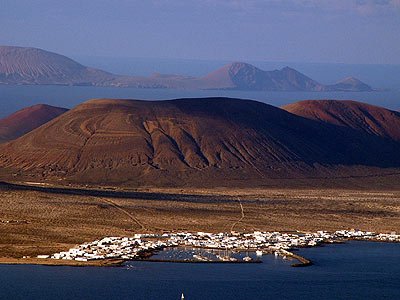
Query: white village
x,y
143,246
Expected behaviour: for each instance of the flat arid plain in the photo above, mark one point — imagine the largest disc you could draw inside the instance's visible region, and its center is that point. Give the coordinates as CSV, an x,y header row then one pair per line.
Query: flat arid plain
x,y
42,220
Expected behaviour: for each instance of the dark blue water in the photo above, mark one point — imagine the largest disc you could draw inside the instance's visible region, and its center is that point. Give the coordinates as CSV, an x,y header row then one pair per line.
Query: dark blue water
x,y
357,270
13,98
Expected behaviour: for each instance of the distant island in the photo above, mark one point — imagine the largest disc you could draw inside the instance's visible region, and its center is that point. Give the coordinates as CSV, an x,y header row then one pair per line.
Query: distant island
x,y
33,66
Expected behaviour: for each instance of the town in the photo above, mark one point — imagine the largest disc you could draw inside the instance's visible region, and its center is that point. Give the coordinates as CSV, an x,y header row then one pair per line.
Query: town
x,y
279,243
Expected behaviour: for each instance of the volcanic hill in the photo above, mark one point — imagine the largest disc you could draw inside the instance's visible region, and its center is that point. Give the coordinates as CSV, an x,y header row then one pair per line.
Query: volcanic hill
x,y
27,119
21,65
364,117
192,142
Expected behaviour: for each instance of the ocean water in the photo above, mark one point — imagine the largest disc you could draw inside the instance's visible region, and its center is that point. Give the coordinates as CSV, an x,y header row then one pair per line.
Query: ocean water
x,y
355,270
13,98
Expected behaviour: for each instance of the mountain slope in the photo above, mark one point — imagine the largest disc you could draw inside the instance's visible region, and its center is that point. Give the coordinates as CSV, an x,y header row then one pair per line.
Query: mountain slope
x,y
190,142
359,116
20,65
27,119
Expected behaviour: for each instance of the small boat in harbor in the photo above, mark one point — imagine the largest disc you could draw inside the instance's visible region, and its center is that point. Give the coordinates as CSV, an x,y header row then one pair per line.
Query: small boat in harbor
x,y
200,257
232,259
226,256
223,258
247,258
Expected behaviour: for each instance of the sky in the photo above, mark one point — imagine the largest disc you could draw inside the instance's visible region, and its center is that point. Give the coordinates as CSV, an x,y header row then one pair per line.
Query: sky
x,y
337,31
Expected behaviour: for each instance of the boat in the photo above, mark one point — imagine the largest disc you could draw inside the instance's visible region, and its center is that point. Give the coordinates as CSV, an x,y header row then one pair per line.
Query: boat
x,y
200,257
232,259
259,253
223,258
247,258
226,256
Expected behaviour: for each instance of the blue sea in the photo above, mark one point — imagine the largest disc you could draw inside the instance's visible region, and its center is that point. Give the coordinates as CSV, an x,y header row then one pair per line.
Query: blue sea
x,y
13,98
355,270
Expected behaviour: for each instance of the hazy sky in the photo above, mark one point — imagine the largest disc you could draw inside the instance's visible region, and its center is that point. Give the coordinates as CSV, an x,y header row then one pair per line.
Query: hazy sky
x,y
348,31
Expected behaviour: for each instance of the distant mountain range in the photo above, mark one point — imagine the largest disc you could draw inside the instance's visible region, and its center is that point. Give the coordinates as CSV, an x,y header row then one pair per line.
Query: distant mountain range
x,y
207,142
19,65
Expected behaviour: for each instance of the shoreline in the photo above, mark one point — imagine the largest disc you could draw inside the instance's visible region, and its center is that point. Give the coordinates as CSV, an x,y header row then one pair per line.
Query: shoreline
x,y
302,261
118,263
61,263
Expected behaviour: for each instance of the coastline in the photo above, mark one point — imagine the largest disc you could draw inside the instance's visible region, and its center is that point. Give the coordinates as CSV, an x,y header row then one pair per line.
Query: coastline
x,y
117,263
302,261
57,262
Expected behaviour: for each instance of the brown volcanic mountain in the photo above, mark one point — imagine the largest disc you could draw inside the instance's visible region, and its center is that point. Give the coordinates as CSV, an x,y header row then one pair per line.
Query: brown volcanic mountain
x,y
359,116
216,141
20,65
26,120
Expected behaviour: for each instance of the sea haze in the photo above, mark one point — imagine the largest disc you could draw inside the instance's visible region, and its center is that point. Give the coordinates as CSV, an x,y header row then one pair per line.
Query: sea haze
x,y
378,76
15,97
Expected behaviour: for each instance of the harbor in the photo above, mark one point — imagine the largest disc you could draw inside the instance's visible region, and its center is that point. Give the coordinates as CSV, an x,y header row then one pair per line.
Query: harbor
x,y
202,247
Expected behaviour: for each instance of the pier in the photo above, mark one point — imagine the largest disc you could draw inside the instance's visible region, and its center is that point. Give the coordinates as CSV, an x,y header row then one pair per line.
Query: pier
x,y
194,261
